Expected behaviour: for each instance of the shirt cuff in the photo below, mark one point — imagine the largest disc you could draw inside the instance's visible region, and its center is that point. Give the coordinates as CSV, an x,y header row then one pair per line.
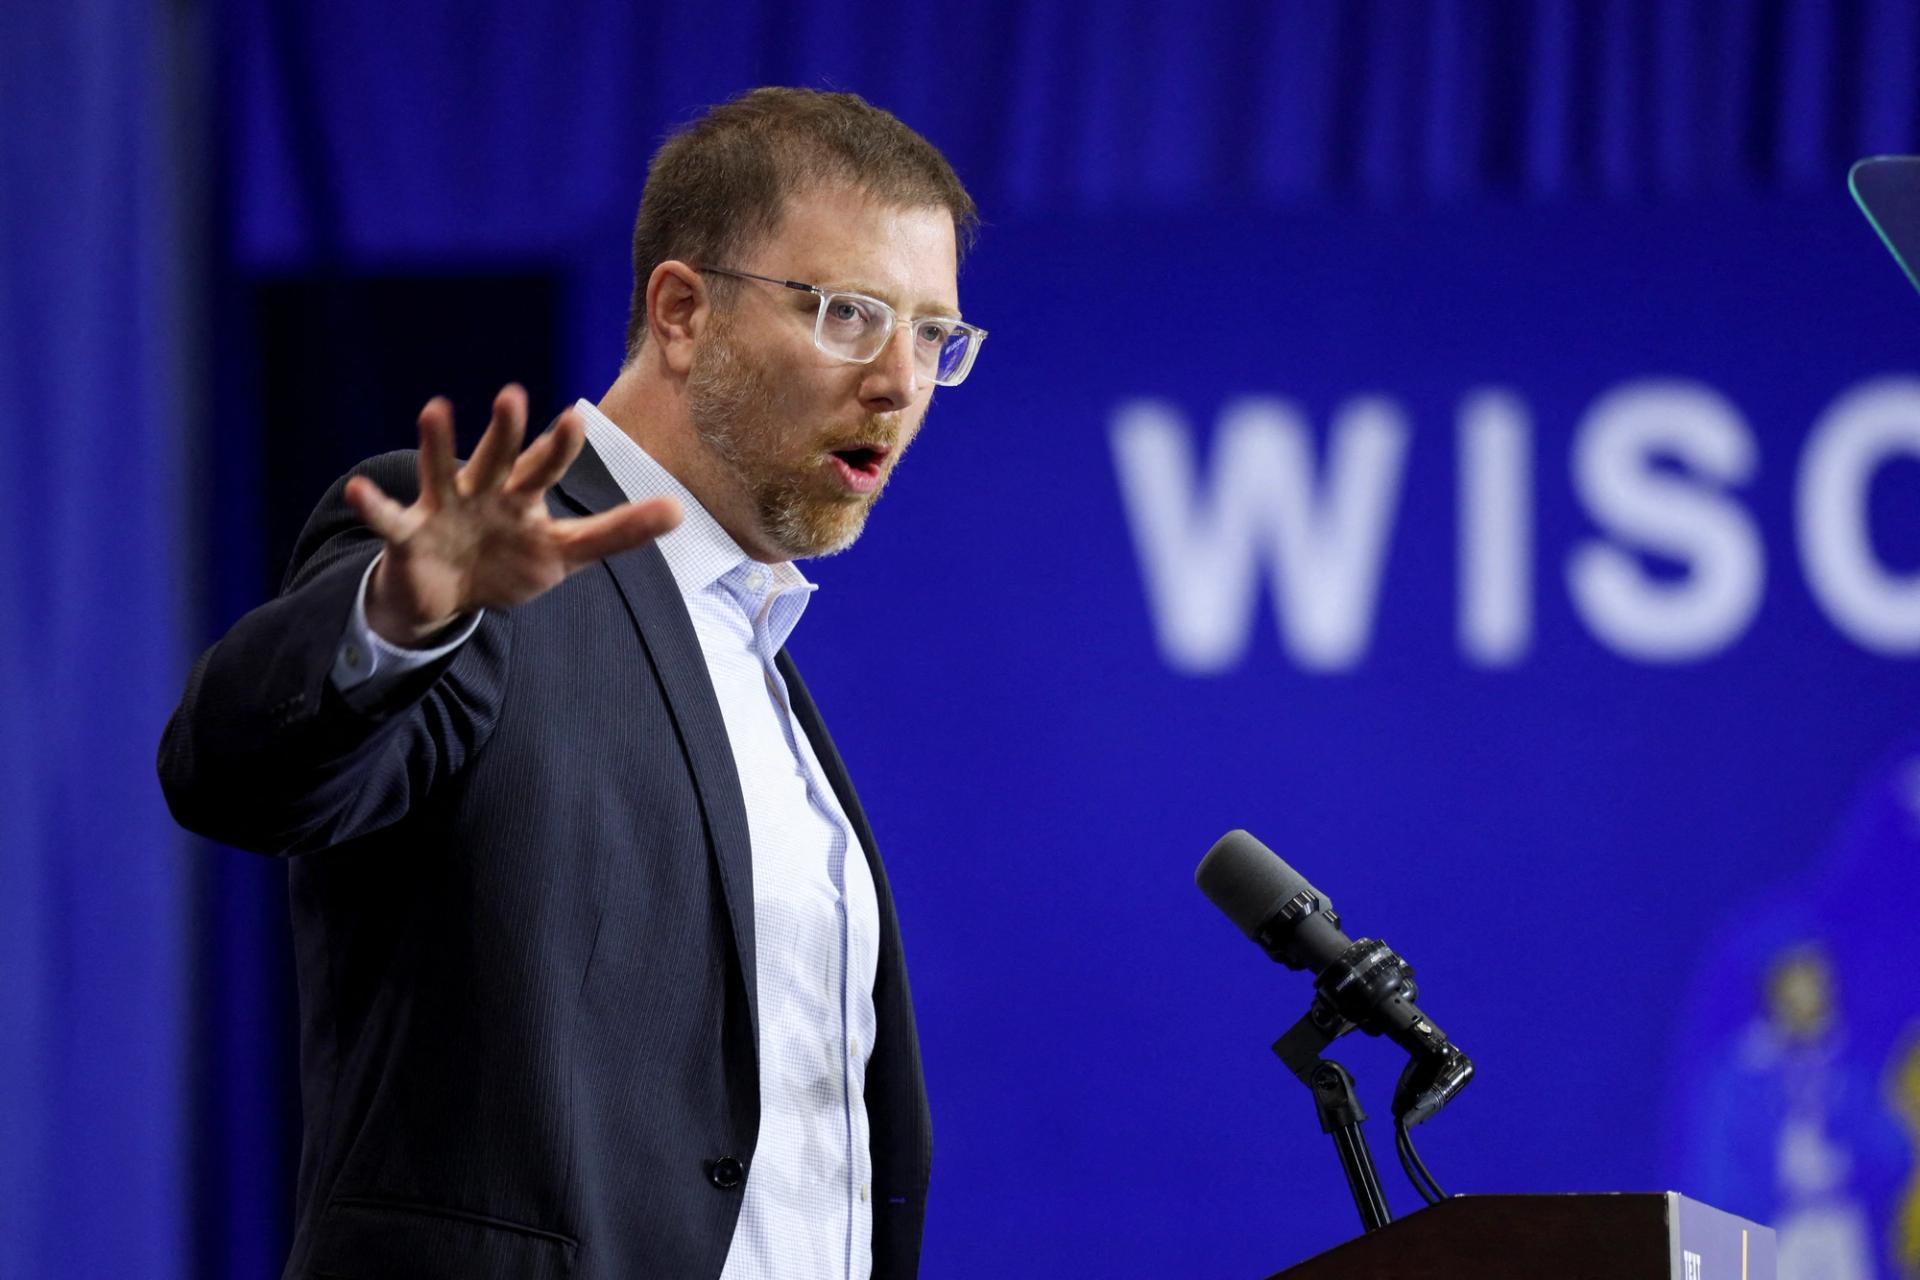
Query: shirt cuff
x,y
368,664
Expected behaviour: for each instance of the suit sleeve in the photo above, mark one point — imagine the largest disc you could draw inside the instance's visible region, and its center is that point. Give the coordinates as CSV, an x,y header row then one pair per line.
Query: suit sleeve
x,y
265,753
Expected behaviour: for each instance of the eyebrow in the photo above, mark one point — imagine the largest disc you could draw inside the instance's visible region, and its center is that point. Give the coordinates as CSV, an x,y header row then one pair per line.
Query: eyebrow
x,y
923,310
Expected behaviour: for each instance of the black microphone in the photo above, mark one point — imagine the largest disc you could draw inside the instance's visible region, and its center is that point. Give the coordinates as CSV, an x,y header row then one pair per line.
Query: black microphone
x,y
1364,982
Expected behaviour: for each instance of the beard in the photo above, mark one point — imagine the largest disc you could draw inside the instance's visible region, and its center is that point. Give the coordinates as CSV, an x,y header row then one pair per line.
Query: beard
x,y
737,411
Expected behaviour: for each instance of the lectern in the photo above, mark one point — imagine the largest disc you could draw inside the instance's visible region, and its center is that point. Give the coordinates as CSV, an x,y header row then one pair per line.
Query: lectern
x,y
1651,1236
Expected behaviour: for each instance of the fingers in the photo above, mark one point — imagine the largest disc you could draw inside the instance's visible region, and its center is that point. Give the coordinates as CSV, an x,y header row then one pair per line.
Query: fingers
x,y
437,467
379,512
493,458
548,458
591,538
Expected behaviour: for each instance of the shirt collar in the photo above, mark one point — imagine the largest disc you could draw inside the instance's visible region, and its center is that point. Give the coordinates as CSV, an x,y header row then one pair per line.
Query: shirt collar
x,y
698,552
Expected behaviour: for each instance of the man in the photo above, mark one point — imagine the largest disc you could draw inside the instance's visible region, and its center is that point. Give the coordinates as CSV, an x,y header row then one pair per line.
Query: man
x,y
599,972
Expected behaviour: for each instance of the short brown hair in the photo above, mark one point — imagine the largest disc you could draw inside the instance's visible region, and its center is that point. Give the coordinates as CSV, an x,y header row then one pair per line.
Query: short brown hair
x,y
720,183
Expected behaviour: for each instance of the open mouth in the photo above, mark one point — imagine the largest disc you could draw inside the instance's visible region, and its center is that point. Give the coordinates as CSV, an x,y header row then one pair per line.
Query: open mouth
x,y
866,457
859,466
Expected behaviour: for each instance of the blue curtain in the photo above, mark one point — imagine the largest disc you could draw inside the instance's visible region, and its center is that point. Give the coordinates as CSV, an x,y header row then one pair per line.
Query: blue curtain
x,y
96,915
453,130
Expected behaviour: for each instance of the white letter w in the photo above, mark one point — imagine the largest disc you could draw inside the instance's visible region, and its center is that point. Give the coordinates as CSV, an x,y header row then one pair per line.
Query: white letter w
x,y
1200,551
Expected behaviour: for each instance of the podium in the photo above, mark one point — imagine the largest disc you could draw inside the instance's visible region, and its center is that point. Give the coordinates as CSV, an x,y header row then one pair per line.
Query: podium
x,y
1648,1236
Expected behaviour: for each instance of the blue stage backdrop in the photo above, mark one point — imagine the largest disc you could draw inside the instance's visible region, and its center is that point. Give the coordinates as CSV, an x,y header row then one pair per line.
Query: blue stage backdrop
x,y
1541,584
1474,447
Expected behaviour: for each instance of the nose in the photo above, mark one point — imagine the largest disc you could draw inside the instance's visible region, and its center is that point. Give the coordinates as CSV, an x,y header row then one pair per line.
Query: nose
x,y
892,381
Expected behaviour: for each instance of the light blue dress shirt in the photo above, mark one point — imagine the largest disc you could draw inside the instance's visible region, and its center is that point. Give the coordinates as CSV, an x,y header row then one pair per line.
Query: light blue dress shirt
x,y
807,1213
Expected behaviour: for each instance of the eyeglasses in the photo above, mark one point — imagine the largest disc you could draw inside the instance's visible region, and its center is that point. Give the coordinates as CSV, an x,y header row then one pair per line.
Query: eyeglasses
x,y
856,328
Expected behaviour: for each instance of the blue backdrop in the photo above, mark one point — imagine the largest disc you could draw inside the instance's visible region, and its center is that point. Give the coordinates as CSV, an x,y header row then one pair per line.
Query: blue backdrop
x,y
1474,447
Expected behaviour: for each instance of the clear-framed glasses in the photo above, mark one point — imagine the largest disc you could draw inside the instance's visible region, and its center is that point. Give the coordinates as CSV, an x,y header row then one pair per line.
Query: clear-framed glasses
x,y
856,328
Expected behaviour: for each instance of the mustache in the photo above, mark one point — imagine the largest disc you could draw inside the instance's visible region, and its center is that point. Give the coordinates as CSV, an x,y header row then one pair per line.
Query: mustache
x,y
873,431
883,430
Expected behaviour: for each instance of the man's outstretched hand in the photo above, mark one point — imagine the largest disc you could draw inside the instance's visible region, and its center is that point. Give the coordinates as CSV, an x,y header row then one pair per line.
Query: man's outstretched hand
x,y
479,536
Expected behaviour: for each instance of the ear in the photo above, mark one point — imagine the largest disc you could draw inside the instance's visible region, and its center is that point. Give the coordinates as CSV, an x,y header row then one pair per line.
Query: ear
x,y
677,309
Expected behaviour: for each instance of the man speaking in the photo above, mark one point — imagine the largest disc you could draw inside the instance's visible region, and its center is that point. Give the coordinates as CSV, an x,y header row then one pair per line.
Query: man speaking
x,y
599,971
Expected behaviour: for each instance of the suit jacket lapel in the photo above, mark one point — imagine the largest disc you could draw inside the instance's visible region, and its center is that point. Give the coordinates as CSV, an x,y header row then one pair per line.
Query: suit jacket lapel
x,y
666,632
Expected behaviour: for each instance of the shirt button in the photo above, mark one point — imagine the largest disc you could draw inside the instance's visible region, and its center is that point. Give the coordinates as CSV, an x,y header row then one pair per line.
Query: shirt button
x,y
351,655
866,1192
726,1173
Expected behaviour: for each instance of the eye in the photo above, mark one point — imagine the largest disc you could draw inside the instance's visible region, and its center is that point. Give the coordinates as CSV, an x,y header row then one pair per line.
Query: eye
x,y
933,332
850,315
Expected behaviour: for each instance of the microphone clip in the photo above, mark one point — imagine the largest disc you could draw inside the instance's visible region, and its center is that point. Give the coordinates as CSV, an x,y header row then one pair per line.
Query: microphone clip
x,y
1336,1103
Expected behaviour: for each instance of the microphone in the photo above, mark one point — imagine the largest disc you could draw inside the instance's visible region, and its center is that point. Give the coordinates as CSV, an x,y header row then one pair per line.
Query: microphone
x,y
1363,982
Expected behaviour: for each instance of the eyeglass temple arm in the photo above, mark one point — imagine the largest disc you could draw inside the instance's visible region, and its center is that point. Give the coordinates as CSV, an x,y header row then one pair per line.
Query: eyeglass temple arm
x,y
750,275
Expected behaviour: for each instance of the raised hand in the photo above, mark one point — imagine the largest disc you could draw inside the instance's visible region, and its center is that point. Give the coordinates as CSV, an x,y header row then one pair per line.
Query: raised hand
x,y
479,536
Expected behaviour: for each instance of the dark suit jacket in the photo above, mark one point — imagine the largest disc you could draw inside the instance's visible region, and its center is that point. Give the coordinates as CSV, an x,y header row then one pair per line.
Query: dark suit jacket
x,y
523,918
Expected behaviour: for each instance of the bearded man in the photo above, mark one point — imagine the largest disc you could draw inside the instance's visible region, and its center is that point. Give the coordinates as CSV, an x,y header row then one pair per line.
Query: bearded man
x,y
599,971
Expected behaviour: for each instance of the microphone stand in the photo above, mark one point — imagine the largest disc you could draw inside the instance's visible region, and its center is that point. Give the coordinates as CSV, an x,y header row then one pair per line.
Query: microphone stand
x,y
1338,1106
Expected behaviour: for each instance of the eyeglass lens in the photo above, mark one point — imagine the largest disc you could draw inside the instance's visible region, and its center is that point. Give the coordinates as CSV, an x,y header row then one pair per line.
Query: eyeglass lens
x,y
856,327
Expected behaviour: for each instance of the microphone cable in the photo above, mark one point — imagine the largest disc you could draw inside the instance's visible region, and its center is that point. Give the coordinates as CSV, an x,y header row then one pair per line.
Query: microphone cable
x,y
1416,1169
